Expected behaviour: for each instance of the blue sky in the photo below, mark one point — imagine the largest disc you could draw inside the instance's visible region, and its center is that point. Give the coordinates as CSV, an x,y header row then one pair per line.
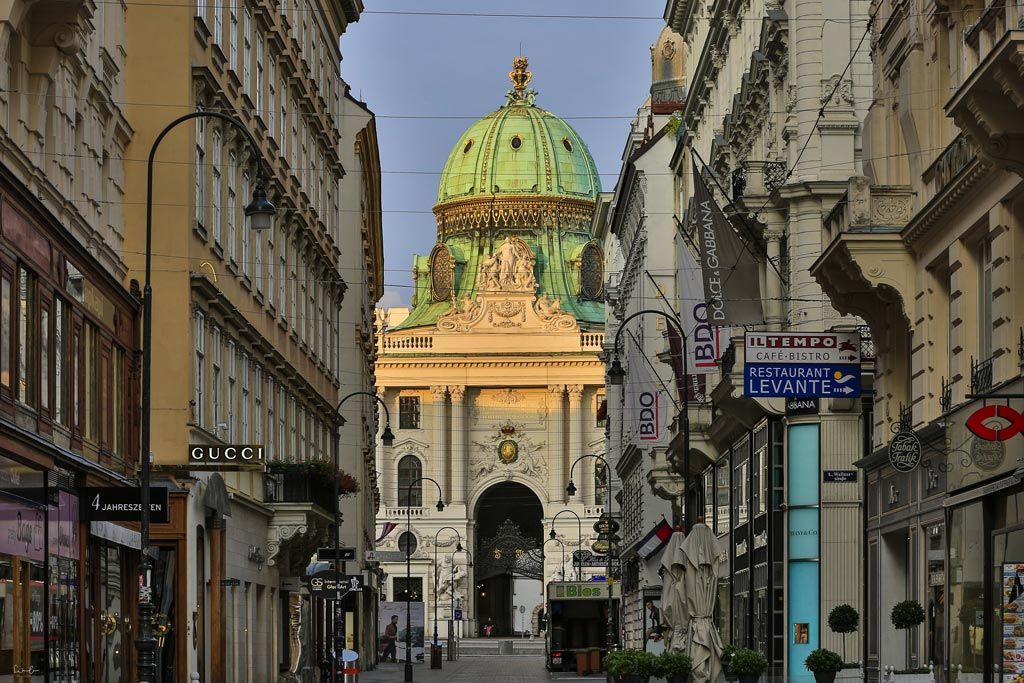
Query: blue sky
x,y
455,67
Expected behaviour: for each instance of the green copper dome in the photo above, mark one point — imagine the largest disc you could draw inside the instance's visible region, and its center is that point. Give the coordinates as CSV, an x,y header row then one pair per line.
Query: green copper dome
x,y
519,187
519,149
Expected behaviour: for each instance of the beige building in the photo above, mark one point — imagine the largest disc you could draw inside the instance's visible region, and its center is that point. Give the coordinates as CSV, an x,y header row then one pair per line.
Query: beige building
x,y
776,96
249,328
493,378
927,246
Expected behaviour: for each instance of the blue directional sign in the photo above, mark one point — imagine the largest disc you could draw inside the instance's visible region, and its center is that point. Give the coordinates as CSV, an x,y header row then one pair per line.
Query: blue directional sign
x,y
458,615
787,365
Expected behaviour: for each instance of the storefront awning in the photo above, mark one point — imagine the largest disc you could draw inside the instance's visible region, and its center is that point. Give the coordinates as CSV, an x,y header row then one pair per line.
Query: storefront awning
x,y
116,534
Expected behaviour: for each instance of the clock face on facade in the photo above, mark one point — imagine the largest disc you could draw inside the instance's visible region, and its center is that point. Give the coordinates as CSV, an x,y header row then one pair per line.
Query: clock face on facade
x,y
508,451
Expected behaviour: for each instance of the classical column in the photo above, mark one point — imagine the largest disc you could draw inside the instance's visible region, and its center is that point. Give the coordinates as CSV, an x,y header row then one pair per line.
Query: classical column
x,y
459,456
387,468
583,474
774,309
437,456
556,431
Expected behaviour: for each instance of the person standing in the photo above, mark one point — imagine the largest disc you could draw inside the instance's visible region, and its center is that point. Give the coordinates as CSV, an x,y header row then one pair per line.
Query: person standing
x,y
390,640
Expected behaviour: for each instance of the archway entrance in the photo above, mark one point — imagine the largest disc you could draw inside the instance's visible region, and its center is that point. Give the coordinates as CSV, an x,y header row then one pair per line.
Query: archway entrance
x,y
508,561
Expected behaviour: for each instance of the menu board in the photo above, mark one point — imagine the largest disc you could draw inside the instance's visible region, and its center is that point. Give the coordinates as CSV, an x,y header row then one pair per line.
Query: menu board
x,y
1013,622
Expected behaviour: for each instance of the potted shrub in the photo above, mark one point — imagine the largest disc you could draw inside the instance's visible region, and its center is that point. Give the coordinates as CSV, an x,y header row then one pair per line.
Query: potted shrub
x,y
843,619
824,664
675,667
919,675
747,665
907,614
727,652
631,666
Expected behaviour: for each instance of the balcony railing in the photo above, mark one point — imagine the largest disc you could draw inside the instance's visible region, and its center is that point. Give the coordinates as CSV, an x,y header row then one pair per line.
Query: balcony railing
x,y
946,397
298,487
981,375
774,175
906,418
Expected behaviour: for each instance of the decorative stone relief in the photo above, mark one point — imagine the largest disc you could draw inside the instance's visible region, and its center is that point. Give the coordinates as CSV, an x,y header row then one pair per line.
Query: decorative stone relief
x,y
843,91
486,458
509,269
549,310
890,210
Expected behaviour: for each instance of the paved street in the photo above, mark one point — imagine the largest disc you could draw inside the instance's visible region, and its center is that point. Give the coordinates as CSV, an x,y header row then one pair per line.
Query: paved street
x,y
493,669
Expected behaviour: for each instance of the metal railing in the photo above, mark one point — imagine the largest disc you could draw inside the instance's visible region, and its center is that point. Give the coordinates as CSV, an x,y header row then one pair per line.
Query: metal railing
x,y
867,343
946,397
981,375
906,418
774,175
298,487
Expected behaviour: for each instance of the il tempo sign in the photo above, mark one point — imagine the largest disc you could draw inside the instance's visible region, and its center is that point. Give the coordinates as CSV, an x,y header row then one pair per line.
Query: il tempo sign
x,y
225,455
801,364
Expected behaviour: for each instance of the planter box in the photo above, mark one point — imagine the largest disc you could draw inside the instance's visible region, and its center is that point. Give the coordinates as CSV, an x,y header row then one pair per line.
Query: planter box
x,y
890,676
849,675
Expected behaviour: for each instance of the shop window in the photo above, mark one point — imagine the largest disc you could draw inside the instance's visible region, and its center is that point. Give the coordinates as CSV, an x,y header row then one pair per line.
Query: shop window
x,y
5,330
412,586
27,312
722,497
967,590
409,470
409,412
740,492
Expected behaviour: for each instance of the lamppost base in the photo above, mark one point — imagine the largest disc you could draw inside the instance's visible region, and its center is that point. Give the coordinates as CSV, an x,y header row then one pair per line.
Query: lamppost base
x,y
408,672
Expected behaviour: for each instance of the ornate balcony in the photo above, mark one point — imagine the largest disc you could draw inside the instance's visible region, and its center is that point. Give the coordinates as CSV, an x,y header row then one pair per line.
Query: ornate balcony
x,y
302,506
989,106
866,262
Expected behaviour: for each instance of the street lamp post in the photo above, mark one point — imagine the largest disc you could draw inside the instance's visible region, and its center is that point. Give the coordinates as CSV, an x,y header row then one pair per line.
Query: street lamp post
x,y
388,438
451,624
579,531
571,490
260,212
458,546
616,375
559,542
408,569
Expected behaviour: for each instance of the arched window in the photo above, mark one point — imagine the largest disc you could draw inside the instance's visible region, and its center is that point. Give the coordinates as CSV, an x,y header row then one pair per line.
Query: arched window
x,y
407,543
409,470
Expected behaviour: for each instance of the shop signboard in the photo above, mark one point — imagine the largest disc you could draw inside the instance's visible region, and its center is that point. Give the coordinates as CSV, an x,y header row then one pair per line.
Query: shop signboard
x,y
227,457
905,451
328,583
581,590
385,556
22,531
995,422
801,365
839,476
123,504
1013,621
585,558
801,405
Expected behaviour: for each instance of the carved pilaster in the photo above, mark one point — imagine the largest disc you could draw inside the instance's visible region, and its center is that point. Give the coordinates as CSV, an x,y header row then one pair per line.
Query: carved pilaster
x,y
437,415
556,437
459,456
585,470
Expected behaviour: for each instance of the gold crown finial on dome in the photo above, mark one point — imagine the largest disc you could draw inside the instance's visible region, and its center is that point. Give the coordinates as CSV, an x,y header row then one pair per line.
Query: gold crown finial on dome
x,y
519,75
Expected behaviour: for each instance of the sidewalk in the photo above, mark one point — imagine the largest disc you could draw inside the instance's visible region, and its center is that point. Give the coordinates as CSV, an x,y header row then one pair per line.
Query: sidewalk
x,y
485,669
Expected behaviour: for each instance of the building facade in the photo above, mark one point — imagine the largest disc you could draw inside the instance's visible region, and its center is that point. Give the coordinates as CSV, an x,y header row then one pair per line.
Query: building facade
x,y
776,95
926,246
493,378
248,328
69,342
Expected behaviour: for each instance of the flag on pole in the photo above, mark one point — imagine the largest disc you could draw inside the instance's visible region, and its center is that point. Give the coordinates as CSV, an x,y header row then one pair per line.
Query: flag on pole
x,y
387,529
732,281
705,340
654,541
646,410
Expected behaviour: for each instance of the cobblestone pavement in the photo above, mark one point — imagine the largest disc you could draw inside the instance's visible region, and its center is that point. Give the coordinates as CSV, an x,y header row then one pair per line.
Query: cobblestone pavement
x,y
486,669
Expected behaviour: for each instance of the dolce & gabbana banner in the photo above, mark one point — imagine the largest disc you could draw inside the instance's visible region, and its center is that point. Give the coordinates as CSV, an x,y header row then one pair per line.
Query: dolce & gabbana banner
x,y
732,282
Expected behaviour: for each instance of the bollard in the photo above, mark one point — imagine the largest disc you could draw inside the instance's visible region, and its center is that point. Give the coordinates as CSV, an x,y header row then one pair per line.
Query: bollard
x,y
350,675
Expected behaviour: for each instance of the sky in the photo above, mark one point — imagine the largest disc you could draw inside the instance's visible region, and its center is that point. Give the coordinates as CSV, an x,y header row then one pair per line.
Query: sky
x,y
446,71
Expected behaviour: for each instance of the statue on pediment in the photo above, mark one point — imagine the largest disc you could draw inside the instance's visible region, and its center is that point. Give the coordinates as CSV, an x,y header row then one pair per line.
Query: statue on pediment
x,y
509,269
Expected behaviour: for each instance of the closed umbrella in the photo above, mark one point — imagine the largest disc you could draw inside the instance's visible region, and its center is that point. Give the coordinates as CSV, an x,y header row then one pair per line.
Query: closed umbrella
x,y
674,617
703,556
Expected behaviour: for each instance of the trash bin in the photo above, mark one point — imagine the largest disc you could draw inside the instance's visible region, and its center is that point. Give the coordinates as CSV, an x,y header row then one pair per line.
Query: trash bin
x,y
582,663
594,659
435,656
350,674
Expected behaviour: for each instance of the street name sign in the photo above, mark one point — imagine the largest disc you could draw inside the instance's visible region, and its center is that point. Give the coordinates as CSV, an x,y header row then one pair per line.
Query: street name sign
x,y
327,554
801,364
385,556
328,583
839,476
123,504
585,558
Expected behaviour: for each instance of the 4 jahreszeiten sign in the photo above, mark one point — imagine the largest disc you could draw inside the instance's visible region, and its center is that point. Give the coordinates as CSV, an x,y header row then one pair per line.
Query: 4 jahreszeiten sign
x,y
807,364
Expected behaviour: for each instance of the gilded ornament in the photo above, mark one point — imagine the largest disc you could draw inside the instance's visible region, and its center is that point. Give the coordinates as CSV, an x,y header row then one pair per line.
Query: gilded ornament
x,y
508,451
519,75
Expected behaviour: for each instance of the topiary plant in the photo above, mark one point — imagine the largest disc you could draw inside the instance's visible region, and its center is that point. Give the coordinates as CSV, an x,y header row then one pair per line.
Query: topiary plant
x,y
843,619
907,614
747,663
824,661
674,665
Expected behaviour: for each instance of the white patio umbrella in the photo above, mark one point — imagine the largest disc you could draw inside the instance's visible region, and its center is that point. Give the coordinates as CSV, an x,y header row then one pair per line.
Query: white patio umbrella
x,y
674,616
703,555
